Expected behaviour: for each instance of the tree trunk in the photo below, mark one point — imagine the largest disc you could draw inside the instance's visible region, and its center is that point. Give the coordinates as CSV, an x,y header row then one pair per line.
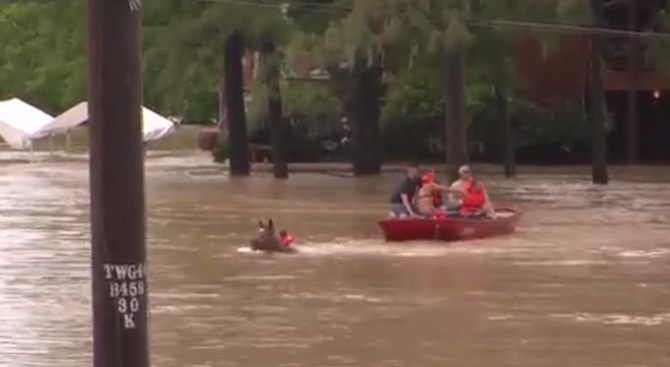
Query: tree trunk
x,y
507,133
363,110
221,121
634,61
597,114
455,99
278,126
234,94
598,104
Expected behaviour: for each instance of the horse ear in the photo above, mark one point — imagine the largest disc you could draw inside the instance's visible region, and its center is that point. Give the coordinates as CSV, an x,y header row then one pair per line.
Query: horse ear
x,y
271,224
260,224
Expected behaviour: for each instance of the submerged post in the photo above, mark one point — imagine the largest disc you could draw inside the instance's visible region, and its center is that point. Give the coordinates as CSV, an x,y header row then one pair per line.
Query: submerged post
x,y
117,184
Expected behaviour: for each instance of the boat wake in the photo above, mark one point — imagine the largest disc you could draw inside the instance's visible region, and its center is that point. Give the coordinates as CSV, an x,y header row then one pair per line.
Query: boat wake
x,y
380,248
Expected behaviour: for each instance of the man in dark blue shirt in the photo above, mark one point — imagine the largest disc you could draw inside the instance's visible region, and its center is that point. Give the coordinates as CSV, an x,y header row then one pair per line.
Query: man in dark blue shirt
x,y
401,200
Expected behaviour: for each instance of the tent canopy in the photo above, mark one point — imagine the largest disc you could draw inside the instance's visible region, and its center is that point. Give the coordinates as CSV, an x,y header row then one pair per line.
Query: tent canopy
x,y
66,121
154,126
20,122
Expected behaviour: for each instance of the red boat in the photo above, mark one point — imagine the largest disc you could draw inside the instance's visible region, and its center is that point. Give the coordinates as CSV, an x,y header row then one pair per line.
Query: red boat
x,y
450,229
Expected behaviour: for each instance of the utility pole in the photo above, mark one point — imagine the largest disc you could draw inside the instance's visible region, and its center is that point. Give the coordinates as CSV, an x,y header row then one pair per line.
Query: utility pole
x,y
117,184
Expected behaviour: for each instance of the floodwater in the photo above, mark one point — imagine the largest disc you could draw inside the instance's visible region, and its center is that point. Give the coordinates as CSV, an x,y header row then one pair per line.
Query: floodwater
x,y
584,282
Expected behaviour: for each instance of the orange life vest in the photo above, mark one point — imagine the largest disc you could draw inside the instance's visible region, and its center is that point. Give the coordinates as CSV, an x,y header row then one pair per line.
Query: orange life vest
x,y
286,239
429,178
474,199
437,214
437,199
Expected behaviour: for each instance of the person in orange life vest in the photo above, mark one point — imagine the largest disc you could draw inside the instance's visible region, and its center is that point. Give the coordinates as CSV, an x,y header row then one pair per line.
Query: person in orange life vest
x,y
438,202
425,200
285,238
476,199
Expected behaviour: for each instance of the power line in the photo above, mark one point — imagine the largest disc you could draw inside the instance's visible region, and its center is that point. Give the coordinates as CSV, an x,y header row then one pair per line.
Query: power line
x,y
547,27
574,29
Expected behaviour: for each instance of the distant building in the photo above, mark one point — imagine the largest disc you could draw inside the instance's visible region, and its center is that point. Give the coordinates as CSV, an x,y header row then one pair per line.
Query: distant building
x,y
561,75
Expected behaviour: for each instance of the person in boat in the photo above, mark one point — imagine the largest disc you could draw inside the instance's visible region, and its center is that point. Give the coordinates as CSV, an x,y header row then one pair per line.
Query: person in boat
x,y
429,199
403,197
476,201
438,198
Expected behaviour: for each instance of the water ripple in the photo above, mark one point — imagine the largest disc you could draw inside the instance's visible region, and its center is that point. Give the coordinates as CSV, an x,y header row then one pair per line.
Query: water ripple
x,y
582,283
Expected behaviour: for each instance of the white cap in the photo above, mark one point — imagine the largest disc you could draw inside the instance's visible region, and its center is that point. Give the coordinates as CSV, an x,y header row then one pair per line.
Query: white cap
x,y
464,169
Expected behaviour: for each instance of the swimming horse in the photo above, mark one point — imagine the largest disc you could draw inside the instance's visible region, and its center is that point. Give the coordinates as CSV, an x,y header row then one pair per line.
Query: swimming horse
x,y
269,242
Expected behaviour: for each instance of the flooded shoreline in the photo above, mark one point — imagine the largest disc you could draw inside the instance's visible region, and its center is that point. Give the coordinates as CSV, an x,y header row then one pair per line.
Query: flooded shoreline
x,y
196,159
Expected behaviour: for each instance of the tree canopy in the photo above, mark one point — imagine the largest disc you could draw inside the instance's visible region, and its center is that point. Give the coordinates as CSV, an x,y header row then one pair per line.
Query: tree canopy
x,y
44,57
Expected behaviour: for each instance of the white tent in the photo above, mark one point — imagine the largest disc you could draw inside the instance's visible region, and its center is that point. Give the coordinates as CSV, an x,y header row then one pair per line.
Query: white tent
x,y
66,121
154,126
20,123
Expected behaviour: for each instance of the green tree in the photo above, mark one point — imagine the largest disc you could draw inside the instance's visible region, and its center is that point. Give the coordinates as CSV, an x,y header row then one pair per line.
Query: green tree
x,y
279,128
448,40
591,13
413,115
310,103
392,34
43,61
492,67
208,45
197,53
352,50
233,94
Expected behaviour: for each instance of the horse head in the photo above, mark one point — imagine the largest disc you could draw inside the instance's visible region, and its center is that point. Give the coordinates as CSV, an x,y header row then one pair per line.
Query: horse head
x,y
266,238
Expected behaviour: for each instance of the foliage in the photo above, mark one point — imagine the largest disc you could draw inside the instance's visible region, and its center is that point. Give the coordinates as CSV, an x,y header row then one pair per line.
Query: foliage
x,y
658,50
257,105
565,127
556,129
303,102
42,62
222,152
413,120
310,103
184,48
412,114
396,31
314,16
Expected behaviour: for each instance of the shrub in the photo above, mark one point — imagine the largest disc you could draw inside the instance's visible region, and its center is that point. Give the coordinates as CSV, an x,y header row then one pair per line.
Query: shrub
x,y
222,152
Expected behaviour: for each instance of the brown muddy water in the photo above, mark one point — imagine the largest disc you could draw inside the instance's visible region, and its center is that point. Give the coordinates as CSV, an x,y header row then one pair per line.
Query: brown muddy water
x,y
584,282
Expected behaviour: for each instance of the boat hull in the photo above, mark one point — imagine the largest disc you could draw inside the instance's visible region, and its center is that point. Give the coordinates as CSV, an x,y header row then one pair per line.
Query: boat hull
x,y
450,229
